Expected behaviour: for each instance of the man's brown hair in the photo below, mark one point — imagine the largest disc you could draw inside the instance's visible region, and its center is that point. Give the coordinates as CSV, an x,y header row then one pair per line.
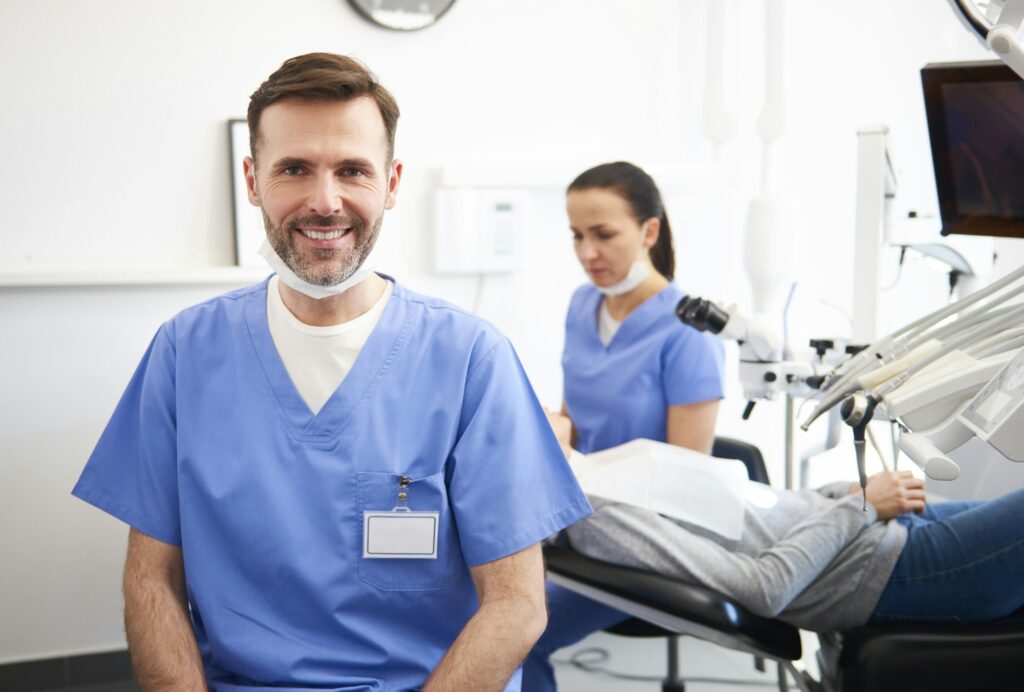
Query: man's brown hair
x,y
322,77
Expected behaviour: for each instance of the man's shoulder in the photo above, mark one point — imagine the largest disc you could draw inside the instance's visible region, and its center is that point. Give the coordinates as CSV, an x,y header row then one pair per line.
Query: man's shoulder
x,y
217,308
446,318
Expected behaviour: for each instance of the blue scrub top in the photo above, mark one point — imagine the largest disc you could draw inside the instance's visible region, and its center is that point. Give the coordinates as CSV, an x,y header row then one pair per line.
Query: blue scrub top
x,y
212,448
622,391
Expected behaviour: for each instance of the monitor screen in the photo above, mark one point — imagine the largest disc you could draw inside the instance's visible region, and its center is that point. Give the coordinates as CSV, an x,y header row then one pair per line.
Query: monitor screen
x,y
976,125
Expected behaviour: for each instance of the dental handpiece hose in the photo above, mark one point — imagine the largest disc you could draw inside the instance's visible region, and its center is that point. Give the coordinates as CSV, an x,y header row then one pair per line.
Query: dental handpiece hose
x,y
858,448
858,411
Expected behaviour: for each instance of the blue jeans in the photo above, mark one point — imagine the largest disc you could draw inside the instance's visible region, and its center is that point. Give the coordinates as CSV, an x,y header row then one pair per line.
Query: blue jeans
x,y
963,562
571,617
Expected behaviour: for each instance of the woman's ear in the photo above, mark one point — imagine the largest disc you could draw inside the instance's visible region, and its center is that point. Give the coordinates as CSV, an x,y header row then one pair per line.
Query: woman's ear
x,y
651,228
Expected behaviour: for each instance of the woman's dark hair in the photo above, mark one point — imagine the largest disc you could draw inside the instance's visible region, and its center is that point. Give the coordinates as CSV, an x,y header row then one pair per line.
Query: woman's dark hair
x,y
638,189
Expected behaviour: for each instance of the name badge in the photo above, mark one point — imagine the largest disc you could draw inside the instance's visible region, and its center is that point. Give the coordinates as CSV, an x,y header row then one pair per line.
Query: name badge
x,y
400,534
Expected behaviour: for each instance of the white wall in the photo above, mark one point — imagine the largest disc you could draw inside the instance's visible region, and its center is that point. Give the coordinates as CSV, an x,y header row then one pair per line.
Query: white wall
x,y
114,149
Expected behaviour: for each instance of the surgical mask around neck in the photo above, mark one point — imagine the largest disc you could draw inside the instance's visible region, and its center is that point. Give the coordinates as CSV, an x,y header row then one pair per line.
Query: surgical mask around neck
x,y
640,270
314,291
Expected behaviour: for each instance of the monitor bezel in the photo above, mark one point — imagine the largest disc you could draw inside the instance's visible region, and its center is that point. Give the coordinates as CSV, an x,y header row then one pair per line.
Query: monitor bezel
x,y
933,77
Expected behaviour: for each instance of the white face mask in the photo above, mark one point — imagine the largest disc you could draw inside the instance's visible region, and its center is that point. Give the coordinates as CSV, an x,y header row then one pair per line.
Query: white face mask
x,y
640,270
314,291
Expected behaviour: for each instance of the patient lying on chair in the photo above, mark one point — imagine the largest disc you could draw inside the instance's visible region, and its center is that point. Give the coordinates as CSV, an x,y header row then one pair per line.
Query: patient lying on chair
x,y
817,560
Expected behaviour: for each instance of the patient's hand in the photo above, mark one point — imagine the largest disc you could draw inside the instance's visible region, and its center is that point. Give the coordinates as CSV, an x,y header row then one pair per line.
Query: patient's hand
x,y
563,430
892,493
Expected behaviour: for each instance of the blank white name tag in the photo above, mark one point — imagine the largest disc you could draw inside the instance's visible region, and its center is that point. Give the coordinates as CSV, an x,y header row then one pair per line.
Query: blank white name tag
x,y
400,535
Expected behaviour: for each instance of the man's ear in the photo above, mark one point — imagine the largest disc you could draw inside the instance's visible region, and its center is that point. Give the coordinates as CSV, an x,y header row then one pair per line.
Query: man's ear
x,y
394,178
249,171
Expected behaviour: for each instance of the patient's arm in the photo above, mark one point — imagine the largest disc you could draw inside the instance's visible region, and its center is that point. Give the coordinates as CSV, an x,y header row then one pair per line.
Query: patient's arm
x,y
765,583
891,493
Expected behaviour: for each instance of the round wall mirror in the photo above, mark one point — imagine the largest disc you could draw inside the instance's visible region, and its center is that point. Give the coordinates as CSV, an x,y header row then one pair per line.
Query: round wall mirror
x,y
402,15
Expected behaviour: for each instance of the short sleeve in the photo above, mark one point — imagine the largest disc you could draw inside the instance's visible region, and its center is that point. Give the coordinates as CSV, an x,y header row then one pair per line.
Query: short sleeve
x,y
509,485
693,368
132,473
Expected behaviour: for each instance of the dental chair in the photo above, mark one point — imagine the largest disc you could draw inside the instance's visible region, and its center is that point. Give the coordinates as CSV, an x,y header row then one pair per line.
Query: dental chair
x,y
907,657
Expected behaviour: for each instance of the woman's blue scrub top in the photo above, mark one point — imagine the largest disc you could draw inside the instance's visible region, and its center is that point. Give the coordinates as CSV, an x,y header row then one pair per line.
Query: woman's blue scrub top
x,y
213,449
622,391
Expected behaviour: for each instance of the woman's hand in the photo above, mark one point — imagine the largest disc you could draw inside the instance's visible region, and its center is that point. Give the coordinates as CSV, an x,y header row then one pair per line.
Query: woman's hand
x,y
892,493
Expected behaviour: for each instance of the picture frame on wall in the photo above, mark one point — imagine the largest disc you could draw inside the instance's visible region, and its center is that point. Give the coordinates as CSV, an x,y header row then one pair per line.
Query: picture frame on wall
x,y
249,230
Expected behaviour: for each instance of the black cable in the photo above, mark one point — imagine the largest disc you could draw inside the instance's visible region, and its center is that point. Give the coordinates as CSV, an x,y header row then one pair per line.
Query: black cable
x,y
954,279
899,269
589,660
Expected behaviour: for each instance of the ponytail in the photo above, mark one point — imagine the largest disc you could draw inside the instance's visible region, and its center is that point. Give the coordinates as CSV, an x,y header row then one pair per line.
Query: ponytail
x,y
663,254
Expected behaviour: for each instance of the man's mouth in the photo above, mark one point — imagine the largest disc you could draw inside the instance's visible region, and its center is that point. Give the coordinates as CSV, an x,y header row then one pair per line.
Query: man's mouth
x,y
324,235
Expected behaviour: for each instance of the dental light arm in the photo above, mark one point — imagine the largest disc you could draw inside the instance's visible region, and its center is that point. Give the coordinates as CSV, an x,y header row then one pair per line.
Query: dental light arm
x,y
997,27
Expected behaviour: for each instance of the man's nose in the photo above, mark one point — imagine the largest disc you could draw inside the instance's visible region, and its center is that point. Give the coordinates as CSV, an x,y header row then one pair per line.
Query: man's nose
x,y
327,196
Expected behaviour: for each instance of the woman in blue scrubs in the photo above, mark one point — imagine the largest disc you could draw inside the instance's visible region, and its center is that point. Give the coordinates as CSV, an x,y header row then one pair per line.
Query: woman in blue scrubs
x,y
631,368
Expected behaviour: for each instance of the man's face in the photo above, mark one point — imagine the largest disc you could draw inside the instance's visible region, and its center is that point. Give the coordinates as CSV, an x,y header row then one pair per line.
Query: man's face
x,y
323,181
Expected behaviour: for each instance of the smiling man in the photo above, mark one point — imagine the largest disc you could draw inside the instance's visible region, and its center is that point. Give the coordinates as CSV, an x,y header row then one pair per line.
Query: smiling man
x,y
332,482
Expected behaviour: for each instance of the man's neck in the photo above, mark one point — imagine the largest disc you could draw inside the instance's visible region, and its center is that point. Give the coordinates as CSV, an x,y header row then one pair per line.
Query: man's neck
x,y
338,309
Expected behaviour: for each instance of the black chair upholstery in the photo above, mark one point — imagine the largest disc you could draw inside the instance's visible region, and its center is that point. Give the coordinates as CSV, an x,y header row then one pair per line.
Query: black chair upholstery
x,y
927,657
678,607
728,448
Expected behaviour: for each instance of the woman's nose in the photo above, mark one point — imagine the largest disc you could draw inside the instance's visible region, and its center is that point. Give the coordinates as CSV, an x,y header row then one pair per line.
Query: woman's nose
x,y
586,250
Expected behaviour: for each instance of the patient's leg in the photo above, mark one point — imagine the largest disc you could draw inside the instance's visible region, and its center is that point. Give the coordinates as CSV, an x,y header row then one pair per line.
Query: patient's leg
x,y
968,566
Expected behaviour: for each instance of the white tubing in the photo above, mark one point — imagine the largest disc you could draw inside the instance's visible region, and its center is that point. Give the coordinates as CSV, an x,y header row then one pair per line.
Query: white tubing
x,y
841,385
879,376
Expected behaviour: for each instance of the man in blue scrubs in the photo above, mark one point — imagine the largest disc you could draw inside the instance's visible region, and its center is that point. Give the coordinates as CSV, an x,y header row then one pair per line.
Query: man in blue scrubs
x,y
332,483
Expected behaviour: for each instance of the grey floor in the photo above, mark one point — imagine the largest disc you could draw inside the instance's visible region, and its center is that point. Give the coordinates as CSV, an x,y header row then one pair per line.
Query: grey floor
x,y
699,662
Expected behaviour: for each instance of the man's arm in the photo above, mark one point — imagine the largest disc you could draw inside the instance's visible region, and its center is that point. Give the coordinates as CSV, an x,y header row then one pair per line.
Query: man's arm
x,y
511,617
163,648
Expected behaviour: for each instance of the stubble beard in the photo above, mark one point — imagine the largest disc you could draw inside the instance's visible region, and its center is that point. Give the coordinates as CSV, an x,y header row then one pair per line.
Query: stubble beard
x,y
322,266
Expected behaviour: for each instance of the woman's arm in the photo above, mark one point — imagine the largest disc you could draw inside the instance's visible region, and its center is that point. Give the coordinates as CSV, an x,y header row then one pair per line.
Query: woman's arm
x,y
692,425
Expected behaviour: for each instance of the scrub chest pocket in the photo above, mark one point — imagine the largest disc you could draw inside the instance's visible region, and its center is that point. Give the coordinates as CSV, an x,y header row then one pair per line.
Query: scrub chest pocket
x,y
378,492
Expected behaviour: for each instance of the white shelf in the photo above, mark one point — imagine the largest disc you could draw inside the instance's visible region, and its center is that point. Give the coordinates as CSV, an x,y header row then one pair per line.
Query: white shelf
x,y
157,276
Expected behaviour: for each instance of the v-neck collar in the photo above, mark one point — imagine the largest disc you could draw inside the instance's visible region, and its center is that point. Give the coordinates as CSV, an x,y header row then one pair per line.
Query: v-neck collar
x,y
339,410
634,321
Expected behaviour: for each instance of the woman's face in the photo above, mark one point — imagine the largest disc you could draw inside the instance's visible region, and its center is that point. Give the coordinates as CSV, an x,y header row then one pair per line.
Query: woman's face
x,y
606,236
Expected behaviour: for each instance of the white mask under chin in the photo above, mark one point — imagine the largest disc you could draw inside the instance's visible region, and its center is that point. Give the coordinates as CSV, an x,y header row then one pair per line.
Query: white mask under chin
x,y
637,273
314,291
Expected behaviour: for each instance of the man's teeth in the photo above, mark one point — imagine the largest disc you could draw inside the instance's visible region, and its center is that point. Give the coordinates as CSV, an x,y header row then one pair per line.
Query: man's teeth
x,y
322,235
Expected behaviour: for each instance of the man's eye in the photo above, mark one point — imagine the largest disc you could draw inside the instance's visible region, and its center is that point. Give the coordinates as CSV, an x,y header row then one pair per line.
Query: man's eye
x,y
605,236
292,170
351,172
